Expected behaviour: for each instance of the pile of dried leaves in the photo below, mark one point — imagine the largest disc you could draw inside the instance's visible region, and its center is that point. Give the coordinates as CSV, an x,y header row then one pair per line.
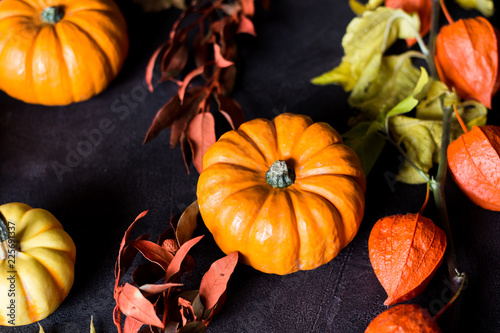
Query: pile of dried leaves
x,y
155,297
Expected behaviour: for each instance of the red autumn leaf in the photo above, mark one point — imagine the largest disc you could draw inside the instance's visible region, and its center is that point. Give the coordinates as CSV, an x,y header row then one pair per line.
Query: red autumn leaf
x,y
131,325
214,282
474,162
405,252
125,238
467,58
187,79
154,253
164,118
231,110
246,26
227,80
186,307
151,65
175,63
187,223
147,273
187,154
422,7
175,265
153,289
201,135
407,318
170,245
133,304
219,58
128,254
248,7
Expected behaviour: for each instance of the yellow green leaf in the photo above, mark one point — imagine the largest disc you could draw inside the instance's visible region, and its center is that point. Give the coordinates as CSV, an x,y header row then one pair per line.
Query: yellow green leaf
x,y
384,84
421,140
92,329
366,39
407,104
41,328
486,7
367,144
359,8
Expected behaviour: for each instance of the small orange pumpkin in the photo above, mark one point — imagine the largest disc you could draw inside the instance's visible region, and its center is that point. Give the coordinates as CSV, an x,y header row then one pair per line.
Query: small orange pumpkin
x,y
287,194
56,52
474,162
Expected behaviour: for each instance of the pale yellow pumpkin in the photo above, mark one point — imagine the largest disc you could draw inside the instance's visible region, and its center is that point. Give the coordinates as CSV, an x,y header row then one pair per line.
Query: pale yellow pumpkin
x,y
37,260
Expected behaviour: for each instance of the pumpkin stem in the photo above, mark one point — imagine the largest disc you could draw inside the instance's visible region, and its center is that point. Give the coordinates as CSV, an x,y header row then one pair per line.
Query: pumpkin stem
x,y
4,235
280,175
52,14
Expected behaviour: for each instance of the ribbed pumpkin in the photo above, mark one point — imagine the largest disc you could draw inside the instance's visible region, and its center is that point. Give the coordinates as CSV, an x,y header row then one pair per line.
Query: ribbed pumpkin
x,y
40,275
474,161
287,193
56,52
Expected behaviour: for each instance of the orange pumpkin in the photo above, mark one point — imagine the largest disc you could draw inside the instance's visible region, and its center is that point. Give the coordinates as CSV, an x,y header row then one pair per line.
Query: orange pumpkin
x,y
37,261
474,161
56,52
287,194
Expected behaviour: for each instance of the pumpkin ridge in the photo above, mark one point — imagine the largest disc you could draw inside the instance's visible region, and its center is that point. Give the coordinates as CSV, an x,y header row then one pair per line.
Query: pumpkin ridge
x,y
294,222
485,179
29,304
28,65
254,144
62,58
107,64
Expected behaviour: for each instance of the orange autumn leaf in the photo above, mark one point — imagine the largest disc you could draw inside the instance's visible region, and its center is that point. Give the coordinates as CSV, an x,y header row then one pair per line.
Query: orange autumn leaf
x,y
405,252
422,7
407,318
467,58
474,161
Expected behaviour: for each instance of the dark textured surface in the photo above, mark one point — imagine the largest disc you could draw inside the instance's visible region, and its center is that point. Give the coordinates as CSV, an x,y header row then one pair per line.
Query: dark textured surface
x,y
120,178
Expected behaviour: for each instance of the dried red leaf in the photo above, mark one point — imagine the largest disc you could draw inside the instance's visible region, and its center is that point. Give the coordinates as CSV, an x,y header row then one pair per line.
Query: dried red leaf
x,y
475,165
214,282
154,253
186,311
164,118
187,224
467,58
422,7
153,289
133,304
175,63
131,325
187,79
175,265
248,7
405,252
231,110
151,65
147,273
201,135
187,154
407,318
227,80
171,245
246,26
128,255
220,61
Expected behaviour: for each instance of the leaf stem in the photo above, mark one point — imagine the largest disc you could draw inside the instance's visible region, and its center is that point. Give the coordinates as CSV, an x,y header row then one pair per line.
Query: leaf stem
x,y
432,37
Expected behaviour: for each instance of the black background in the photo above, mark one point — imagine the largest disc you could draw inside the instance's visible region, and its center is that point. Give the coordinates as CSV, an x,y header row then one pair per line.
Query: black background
x,y
106,190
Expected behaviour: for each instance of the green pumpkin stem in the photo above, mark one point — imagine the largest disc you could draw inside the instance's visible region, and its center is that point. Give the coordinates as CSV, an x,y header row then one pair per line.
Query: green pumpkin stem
x,y
280,175
52,14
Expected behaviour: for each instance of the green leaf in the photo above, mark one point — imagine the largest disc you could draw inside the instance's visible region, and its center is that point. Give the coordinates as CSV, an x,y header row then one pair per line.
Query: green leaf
x,y
41,329
486,7
384,85
92,329
368,146
410,102
366,39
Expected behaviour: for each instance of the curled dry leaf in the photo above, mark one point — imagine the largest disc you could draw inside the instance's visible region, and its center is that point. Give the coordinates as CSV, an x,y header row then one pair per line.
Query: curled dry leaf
x,y
407,318
201,135
133,304
187,224
405,252
474,162
421,7
486,7
473,71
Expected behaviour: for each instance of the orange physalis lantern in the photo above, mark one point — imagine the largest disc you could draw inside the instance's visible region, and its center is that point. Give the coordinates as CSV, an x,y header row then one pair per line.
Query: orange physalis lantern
x,y
408,318
467,58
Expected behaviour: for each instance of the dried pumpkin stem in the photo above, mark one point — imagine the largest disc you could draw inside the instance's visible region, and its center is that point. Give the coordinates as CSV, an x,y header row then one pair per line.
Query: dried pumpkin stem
x,y
280,175
52,14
